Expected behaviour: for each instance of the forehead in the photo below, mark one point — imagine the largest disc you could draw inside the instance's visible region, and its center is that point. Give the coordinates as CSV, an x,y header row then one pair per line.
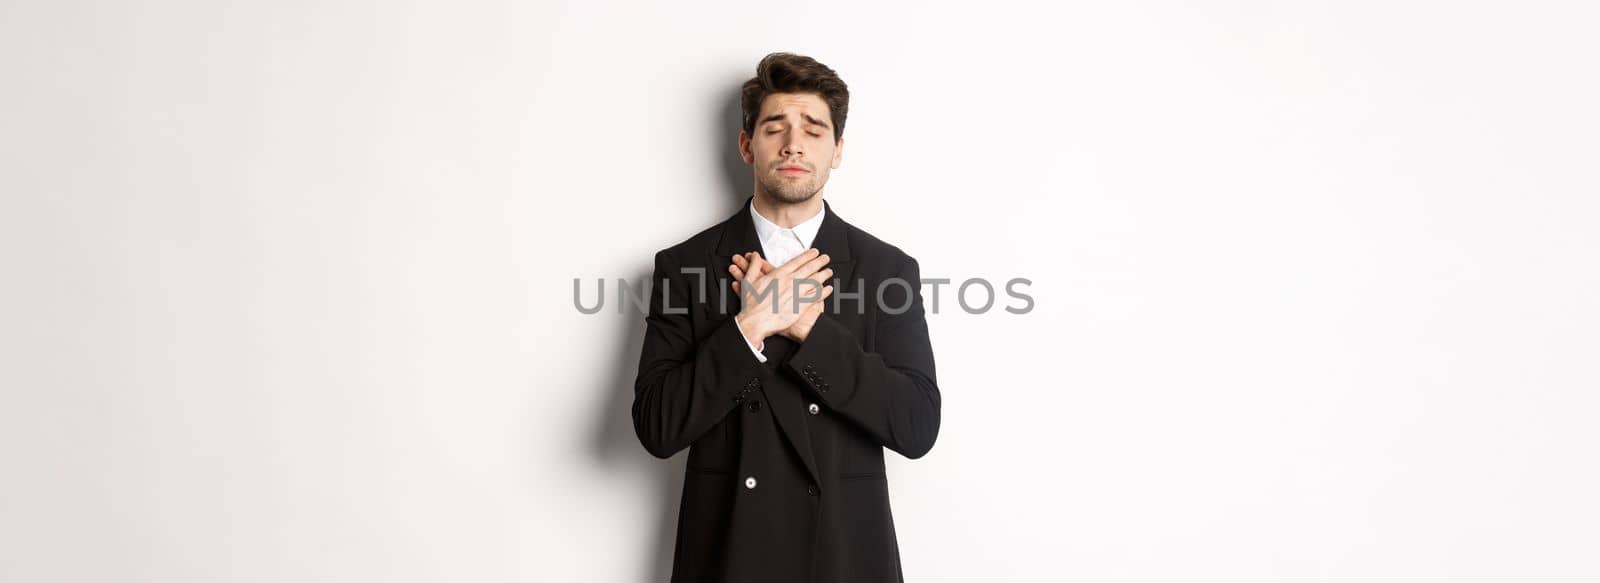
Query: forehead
x,y
793,105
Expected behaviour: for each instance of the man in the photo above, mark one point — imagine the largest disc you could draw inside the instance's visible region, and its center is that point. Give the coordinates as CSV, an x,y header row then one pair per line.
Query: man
x,y
787,395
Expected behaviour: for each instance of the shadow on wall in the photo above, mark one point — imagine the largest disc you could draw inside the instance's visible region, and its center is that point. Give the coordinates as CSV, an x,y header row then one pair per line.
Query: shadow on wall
x,y
617,446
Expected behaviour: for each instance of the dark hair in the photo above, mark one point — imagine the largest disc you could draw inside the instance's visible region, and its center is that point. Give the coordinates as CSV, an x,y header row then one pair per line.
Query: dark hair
x,y
791,73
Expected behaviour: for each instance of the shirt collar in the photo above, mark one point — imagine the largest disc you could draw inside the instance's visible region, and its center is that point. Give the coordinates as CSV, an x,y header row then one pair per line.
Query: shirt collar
x,y
806,230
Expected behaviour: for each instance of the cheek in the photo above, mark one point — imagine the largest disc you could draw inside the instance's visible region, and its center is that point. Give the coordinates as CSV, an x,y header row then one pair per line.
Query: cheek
x,y
762,148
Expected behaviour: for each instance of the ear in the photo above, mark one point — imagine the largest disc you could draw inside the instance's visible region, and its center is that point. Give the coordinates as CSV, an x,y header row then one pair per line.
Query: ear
x,y
744,148
838,153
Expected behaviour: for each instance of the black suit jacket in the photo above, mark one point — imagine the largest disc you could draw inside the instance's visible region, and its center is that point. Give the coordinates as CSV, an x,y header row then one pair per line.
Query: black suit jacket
x,y
785,479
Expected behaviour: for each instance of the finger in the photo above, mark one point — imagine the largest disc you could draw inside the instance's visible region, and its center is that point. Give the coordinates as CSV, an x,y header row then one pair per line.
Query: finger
x,y
747,258
759,266
741,276
791,265
814,284
812,292
827,290
755,264
749,287
753,269
816,306
811,266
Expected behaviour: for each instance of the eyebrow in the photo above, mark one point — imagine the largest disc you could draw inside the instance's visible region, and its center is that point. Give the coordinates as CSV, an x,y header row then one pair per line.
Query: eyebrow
x,y
779,117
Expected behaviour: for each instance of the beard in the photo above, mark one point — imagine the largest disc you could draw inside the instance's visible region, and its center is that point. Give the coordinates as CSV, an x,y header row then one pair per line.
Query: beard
x,y
790,191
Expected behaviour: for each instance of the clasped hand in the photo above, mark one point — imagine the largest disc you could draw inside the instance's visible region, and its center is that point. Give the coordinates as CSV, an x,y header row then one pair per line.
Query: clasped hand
x,y
770,296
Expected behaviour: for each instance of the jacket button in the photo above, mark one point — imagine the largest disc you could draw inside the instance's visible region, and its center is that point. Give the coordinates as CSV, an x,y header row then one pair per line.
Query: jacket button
x,y
750,483
811,489
814,409
755,406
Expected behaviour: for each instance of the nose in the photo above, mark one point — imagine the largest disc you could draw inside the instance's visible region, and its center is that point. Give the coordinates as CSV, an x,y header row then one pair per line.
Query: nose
x,y
791,146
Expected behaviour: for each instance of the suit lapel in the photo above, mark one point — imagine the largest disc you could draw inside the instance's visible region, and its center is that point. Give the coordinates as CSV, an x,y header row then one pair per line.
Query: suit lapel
x,y
739,236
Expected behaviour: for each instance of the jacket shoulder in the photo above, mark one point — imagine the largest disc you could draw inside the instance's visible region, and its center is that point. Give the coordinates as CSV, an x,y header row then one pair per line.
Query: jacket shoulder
x,y
872,250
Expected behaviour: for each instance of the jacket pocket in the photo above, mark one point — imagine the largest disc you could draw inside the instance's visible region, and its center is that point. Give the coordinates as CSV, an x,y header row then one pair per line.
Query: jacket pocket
x,y
861,476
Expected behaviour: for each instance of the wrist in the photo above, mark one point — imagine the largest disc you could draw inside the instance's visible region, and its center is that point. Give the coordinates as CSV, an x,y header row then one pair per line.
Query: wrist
x,y
753,328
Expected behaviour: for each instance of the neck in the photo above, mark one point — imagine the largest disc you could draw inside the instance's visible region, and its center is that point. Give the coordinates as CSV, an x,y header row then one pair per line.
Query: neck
x,y
786,215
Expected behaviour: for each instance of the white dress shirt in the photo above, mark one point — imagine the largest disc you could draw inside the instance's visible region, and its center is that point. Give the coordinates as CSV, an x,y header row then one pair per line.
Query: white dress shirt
x,y
778,246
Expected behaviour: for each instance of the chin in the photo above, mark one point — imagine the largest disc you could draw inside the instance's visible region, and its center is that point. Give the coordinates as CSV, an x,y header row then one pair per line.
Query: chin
x,y
793,198
791,194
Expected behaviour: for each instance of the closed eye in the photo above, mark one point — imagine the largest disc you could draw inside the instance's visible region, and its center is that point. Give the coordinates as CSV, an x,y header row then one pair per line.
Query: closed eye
x,y
777,131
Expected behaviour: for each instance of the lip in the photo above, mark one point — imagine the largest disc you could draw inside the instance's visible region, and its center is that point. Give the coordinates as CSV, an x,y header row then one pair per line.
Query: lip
x,y
793,170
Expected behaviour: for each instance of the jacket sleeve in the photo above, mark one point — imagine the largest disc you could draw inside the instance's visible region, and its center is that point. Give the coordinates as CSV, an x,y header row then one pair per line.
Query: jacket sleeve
x,y
686,385
891,393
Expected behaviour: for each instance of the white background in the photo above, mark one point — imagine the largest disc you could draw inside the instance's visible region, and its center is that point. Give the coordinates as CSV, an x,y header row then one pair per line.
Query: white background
x,y
287,285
